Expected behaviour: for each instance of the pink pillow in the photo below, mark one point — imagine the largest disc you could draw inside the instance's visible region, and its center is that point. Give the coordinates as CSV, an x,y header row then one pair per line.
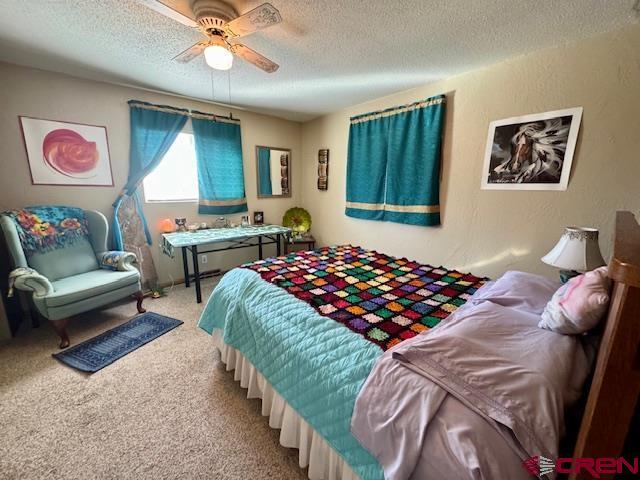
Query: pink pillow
x,y
578,305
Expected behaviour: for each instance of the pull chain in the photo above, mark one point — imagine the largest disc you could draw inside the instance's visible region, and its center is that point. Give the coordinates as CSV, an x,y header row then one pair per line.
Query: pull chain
x,y
213,97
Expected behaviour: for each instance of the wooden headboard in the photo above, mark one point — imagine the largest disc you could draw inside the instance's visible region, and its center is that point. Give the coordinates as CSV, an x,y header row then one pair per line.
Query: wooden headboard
x,y
616,380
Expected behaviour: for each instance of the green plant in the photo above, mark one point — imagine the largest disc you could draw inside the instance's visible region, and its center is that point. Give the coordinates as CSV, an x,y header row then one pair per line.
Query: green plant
x,y
158,291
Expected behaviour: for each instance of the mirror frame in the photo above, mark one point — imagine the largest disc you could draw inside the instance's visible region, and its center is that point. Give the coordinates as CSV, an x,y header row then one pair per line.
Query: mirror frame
x,y
288,150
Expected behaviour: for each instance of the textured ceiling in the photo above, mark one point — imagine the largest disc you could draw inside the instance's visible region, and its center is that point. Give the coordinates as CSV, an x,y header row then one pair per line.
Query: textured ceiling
x,y
332,54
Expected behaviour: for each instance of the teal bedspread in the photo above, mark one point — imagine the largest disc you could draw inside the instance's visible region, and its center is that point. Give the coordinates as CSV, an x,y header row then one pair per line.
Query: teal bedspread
x,y
316,364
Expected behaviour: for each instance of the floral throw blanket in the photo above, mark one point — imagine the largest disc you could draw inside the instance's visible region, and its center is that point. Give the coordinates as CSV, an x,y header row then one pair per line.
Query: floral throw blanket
x,y
385,299
45,228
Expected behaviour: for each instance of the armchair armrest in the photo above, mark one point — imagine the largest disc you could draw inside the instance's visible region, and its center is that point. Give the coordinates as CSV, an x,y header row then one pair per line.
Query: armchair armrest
x,y
31,281
117,260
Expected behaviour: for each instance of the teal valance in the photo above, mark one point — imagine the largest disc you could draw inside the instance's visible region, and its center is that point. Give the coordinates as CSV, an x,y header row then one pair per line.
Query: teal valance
x,y
393,164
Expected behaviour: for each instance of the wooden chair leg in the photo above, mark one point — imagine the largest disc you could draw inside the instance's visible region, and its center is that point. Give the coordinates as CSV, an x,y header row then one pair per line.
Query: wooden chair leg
x,y
139,297
35,318
60,326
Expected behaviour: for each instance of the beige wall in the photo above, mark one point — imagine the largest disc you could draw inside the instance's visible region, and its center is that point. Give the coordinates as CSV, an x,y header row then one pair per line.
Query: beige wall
x,y
30,92
488,232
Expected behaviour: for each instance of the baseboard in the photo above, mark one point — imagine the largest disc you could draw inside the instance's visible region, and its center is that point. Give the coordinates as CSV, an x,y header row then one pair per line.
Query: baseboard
x,y
216,272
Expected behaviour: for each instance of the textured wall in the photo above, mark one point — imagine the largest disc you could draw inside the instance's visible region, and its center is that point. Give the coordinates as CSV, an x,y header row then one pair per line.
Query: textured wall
x,y
488,232
483,231
37,93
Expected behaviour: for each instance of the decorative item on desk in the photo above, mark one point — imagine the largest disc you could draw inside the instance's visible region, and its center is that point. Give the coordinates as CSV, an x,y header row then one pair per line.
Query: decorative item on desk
x,y
193,227
323,169
166,226
203,226
181,224
298,220
576,251
245,221
258,218
221,222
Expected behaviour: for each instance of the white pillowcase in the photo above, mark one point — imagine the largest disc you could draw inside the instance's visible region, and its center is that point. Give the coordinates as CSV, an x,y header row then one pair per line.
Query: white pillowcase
x,y
579,305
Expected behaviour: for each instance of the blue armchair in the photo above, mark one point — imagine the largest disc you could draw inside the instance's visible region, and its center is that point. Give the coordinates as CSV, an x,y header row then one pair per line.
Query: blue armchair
x,y
68,281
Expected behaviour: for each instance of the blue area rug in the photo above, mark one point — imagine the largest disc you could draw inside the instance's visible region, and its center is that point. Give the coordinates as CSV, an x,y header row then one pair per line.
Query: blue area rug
x,y
98,352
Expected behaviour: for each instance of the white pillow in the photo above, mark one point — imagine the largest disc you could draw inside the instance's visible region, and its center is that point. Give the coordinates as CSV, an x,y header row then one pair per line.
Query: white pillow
x,y
579,305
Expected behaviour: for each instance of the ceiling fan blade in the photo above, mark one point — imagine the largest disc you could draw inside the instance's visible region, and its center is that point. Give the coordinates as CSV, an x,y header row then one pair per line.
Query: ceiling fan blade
x,y
174,9
260,17
254,57
192,52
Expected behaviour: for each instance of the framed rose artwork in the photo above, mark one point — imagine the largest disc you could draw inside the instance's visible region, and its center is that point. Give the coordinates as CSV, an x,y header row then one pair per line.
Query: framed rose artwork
x,y
65,153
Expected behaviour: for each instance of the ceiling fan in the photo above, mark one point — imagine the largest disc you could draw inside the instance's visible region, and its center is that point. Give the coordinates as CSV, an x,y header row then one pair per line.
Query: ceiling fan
x,y
221,24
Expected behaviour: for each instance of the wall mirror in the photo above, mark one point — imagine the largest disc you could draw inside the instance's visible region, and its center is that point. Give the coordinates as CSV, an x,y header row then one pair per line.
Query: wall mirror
x,y
274,171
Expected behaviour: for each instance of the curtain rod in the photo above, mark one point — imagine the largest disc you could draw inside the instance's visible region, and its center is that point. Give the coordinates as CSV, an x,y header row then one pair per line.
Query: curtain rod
x,y
363,117
182,111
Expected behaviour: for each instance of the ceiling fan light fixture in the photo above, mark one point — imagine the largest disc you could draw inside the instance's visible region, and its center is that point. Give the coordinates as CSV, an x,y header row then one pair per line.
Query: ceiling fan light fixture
x,y
218,57
219,22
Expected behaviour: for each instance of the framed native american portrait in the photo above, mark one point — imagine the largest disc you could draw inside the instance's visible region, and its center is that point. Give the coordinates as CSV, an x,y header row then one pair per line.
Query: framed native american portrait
x,y
532,152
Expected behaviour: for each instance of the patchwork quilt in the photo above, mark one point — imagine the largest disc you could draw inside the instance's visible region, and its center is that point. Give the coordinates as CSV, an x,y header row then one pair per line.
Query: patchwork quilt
x,y
384,299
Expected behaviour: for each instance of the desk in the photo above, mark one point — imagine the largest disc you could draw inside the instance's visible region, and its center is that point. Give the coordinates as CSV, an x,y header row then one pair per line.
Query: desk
x,y
237,237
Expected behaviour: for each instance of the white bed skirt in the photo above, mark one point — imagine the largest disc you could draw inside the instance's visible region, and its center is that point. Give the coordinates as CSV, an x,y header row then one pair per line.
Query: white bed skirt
x,y
314,452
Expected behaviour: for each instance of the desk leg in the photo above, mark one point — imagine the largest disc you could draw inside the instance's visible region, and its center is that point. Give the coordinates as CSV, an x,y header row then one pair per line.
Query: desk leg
x,y
196,272
185,267
278,247
260,247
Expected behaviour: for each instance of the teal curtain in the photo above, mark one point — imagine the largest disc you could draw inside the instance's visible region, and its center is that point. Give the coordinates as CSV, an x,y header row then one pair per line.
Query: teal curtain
x,y
152,134
393,164
220,171
367,167
264,171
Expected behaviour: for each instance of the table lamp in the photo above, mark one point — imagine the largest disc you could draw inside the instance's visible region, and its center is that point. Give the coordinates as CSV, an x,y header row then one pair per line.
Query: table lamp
x,y
166,225
576,251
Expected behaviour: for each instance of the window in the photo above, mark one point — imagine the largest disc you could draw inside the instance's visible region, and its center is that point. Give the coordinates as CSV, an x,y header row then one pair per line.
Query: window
x,y
175,179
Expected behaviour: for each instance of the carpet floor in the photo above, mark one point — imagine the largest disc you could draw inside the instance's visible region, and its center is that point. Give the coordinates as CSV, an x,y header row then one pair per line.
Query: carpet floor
x,y
166,410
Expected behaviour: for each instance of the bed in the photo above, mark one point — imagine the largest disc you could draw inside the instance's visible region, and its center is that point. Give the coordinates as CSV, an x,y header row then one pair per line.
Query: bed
x,y
285,337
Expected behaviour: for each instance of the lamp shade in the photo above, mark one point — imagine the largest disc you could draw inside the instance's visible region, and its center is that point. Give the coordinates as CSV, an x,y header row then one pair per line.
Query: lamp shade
x,y
577,249
218,57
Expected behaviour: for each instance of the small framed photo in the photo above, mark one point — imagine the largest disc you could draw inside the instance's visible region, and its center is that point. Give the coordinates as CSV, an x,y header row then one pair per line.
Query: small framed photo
x,y
65,153
532,152
258,218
